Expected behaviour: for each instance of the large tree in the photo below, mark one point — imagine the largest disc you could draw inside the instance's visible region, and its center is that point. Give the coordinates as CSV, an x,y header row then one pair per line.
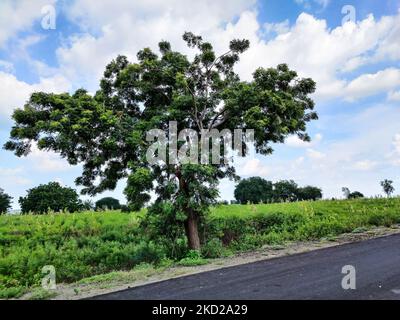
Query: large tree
x,y
106,132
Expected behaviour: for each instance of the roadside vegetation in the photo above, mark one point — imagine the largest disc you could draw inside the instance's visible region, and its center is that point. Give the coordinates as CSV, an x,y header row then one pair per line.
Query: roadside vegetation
x,y
89,244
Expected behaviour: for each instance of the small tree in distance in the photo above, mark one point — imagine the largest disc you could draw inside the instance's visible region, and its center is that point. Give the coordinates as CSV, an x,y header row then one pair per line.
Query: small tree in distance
x,y
387,186
355,195
346,192
51,196
5,201
108,203
254,190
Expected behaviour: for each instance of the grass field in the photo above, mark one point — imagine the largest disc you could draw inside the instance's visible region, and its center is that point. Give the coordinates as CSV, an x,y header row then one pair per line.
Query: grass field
x,y
82,245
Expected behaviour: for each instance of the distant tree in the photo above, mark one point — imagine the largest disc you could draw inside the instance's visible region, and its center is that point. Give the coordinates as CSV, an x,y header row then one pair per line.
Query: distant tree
x,y
286,190
51,196
387,186
253,190
346,192
355,195
5,201
309,193
108,203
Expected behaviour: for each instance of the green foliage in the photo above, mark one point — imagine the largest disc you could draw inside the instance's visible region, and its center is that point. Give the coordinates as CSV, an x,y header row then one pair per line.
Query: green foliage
x,y
108,203
81,245
355,195
193,258
106,133
12,292
285,190
214,248
258,190
309,193
254,190
387,186
51,196
5,201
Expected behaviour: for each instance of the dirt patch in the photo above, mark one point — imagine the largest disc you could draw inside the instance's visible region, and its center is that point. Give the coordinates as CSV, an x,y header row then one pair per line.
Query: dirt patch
x,y
121,280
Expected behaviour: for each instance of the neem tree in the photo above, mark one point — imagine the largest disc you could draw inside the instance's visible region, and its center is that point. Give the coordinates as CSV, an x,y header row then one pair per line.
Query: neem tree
x,y
107,132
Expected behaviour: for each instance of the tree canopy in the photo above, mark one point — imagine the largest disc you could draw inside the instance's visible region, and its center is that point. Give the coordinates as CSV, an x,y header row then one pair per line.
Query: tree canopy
x,y
106,132
387,186
108,203
51,196
254,190
5,201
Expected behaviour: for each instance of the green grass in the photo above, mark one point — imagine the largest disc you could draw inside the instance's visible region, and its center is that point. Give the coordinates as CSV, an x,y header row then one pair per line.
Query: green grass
x,y
88,245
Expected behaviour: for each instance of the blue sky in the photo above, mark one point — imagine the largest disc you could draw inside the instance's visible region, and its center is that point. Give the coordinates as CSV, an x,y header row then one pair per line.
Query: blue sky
x,y
356,63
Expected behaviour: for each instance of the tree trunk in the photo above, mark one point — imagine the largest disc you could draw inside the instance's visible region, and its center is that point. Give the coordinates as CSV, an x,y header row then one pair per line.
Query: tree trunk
x,y
192,232
192,221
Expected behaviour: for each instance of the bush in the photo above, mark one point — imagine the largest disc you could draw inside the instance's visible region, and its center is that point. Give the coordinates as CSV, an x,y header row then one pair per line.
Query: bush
x,y
193,258
214,249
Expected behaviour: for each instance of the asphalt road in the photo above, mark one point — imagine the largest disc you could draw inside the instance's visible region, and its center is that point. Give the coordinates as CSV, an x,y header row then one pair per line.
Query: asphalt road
x,y
311,275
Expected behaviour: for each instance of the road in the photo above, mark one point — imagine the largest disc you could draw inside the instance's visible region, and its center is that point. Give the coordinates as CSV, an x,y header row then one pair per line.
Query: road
x,y
311,275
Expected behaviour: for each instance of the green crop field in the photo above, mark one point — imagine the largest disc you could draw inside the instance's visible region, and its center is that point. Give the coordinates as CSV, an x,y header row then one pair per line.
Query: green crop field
x,y
81,245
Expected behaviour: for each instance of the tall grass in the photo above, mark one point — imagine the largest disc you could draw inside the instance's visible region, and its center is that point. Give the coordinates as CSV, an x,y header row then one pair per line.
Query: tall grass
x,y
79,245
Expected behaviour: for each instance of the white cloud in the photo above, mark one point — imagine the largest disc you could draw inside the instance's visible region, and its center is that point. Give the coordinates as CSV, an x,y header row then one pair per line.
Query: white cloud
x,y
253,167
308,3
394,155
365,165
13,176
125,27
371,84
6,66
309,46
47,161
19,15
314,50
315,155
14,93
294,141
394,95
277,28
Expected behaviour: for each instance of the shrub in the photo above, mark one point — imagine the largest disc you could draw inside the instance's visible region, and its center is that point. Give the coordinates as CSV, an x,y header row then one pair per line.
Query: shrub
x,y
214,249
193,258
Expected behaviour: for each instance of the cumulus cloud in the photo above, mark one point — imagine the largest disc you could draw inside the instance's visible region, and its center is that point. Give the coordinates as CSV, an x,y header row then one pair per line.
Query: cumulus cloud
x,y
125,27
19,15
365,165
13,176
253,167
14,93
47,161
309,46
394,95
371,84
315,155
294,141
